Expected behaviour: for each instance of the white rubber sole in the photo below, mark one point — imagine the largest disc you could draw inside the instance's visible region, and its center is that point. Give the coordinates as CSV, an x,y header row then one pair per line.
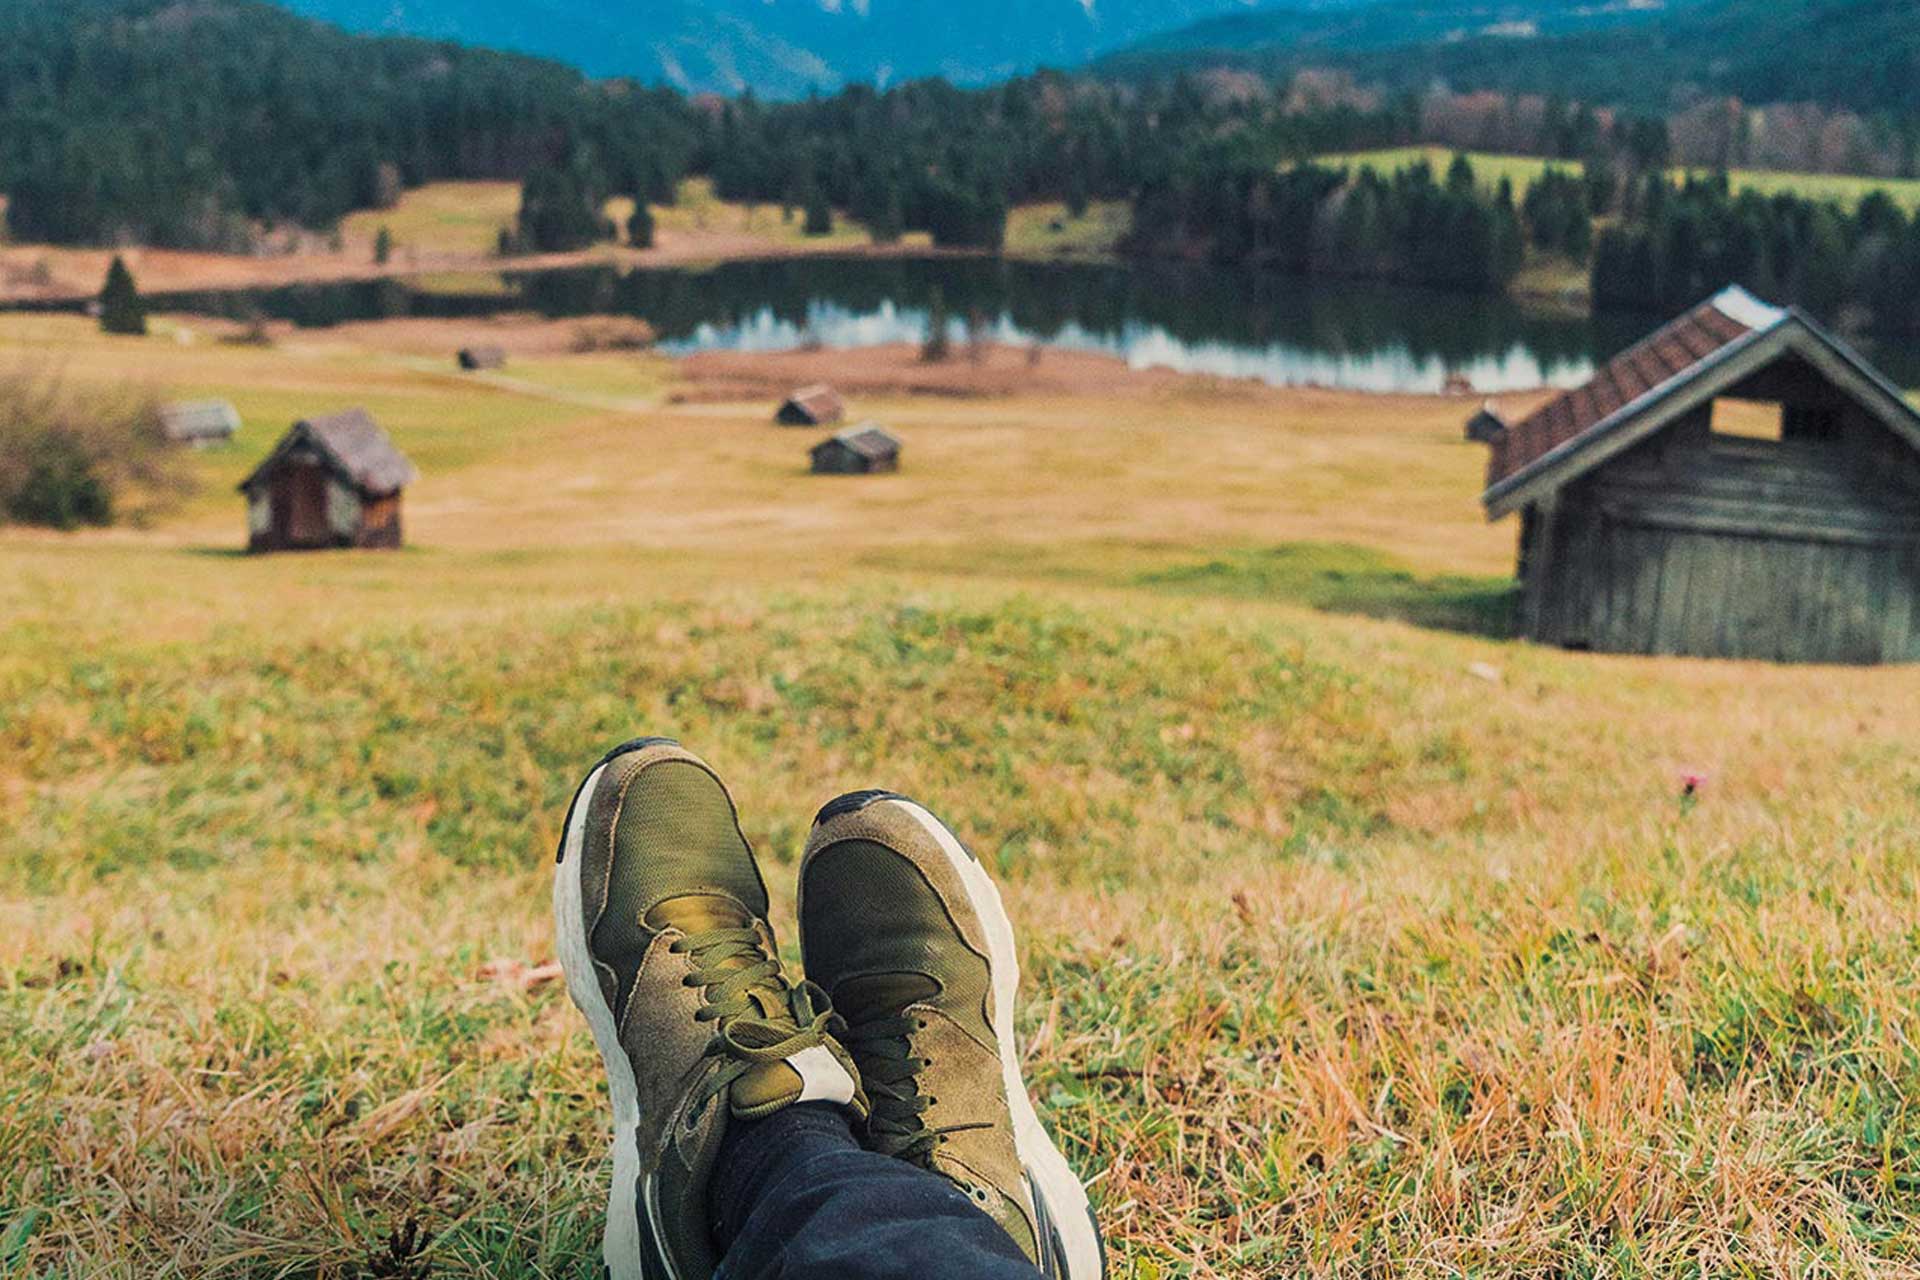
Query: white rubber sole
x,y
622,1247
1048,1174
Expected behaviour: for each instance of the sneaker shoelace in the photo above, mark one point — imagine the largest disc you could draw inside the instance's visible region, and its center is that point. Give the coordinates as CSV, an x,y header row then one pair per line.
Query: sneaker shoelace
x,y
890,1074
760,1017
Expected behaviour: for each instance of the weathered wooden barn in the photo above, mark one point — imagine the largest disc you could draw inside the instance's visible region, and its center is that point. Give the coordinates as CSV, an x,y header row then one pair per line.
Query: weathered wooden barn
x,y
199,423
473,359
333,481
862,451
1741,484
815,406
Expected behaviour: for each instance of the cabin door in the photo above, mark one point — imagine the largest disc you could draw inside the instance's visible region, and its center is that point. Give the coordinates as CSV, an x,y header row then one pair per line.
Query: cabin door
x,y
300,507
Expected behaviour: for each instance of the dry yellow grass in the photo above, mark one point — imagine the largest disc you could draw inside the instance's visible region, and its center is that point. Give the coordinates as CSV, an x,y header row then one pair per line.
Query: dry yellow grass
x,y
1343,958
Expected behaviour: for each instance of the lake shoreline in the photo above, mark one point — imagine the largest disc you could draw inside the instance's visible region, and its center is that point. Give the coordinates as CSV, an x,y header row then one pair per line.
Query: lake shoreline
x,y
168,273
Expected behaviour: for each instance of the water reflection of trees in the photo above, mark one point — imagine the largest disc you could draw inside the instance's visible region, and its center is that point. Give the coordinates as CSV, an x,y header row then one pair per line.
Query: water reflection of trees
x,y
1193,305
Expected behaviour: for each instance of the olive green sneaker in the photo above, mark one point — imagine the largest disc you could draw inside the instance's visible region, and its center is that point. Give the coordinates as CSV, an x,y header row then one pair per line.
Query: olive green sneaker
x,y
660,917
902,927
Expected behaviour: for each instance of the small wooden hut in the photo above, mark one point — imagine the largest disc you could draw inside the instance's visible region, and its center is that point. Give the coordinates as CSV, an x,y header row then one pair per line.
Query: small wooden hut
x,y
1741,484
200,423
333,481
473,359
815,406
865,450
1487,425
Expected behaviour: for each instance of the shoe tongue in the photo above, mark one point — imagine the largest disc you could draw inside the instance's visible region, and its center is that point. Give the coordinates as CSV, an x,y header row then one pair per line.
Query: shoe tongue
x,y
763,1088
881,995
696,913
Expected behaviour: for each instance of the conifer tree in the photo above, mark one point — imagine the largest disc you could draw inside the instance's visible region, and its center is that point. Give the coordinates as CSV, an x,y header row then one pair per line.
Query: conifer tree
x,y
121,310
819,212
889,221
640,226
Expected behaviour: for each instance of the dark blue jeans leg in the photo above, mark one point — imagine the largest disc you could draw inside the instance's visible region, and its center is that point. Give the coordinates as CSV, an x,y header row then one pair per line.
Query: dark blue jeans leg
x,y
795,1198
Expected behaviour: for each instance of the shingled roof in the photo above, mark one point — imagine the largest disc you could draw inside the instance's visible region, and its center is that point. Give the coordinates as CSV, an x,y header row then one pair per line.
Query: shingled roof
x,y
199,421
1696,357
868,441
353,445
816,405
1669,354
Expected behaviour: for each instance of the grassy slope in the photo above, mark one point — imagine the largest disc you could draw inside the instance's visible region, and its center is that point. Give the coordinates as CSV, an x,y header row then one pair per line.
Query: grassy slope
x,y
1523,170
1341,957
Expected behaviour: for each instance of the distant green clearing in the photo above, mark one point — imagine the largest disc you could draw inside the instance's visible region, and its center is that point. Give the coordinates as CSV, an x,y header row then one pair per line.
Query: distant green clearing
x,y
1522,170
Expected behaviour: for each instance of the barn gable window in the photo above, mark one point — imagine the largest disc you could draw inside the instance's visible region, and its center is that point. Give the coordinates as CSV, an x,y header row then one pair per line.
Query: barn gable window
x,y
1749,419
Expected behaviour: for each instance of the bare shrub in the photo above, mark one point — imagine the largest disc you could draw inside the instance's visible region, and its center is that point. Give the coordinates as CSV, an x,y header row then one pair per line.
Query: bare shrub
x,y
614,333
72,456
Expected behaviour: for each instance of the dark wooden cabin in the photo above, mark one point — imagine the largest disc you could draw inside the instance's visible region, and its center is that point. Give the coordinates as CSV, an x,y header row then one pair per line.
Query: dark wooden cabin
x,y
816,406
473,359
1487,425
862,451
334,481
1742,484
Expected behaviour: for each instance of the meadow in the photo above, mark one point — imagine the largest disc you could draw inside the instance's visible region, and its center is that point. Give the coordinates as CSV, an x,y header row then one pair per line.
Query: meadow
x,y
1359,940
1522,171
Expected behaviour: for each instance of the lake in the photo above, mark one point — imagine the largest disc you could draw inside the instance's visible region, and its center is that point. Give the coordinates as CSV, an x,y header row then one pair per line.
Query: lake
x,y
1280,329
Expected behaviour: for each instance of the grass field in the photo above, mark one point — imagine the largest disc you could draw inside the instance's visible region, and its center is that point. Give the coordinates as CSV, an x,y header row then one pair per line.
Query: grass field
x,y
1522,171
1047,230
444,217
1358,941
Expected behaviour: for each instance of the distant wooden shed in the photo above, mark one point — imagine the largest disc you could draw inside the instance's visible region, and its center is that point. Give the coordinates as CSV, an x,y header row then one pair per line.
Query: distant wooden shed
x,y
1741,484
473,359
332,481
815,406
200,422
864,450
1487,425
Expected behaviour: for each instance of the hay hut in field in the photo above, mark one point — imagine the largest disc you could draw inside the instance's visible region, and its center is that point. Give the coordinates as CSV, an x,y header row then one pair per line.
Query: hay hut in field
x,y
473,359
1487,425
333,481
865,450
199,423
815,406
1741,484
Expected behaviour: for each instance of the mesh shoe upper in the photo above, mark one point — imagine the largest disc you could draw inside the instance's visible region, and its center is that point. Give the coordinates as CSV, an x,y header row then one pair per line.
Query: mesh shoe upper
x,y
673,908
886,927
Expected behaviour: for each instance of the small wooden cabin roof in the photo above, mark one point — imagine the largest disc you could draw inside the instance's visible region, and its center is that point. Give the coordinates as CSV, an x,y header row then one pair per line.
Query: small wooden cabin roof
x,y
1696,357
819,402
1488,423
353,444
869,441
192,420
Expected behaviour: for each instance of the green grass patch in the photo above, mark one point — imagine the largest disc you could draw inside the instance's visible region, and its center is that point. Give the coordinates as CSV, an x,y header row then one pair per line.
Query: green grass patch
x,y
1341,578
1522,171
1047,230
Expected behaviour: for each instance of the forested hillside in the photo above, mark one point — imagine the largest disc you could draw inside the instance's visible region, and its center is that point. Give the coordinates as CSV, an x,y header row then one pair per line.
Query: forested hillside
x,y
1863,54
180,125
191,126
